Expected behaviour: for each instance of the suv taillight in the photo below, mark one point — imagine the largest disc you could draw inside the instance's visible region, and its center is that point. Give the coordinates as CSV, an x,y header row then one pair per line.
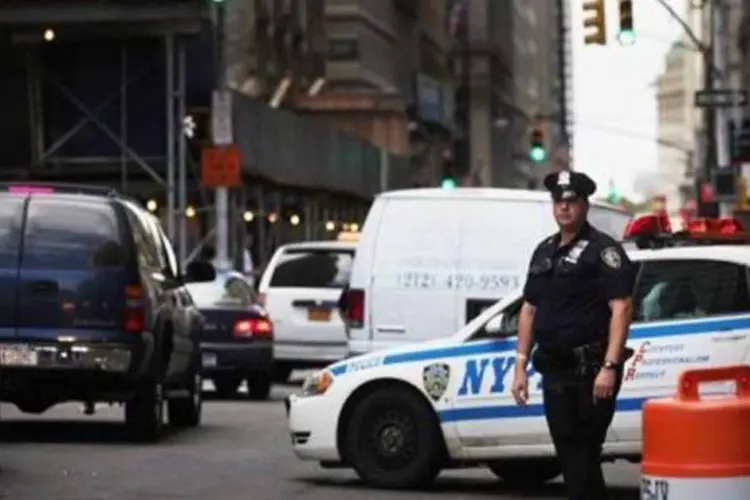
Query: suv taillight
x,y
253,328
355,308
134,317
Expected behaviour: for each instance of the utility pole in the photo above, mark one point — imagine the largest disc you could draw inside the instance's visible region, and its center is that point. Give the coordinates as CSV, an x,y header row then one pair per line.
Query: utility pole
x,y
721,117
221,114
562,56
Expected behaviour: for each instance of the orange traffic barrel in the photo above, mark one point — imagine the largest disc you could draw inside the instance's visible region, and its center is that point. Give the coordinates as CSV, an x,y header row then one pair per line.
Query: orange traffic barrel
x,y
696,447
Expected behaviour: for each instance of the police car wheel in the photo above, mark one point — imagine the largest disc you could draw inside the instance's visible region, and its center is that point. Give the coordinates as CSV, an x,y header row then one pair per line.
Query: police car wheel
x,y
526,473
390,442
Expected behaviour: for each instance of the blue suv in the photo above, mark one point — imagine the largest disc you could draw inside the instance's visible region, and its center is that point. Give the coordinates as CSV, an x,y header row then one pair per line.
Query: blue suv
x,y
93,308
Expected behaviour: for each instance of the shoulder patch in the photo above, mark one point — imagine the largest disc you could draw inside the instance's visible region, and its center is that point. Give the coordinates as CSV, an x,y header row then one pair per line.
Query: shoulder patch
x,y
611,257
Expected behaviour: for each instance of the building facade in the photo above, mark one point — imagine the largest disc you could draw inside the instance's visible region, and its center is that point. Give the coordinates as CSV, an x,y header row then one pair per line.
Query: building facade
x,y
519,58
542,65
376,69
681,125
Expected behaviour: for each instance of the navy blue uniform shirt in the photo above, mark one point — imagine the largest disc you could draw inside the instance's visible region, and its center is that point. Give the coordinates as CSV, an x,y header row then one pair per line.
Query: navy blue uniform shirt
x,y
571,286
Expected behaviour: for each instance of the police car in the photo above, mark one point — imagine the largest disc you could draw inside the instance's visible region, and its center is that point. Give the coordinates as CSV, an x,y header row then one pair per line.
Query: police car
x,y
400,416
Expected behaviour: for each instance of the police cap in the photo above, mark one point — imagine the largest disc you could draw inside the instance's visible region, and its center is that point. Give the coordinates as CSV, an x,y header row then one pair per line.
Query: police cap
x,y
566,185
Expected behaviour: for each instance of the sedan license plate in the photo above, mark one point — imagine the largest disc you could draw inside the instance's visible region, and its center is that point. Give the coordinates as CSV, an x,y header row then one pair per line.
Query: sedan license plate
x,y
209,360
320,315
18,356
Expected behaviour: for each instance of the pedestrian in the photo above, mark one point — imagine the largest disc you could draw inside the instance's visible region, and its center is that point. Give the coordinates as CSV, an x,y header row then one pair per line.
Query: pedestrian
x,y
576,313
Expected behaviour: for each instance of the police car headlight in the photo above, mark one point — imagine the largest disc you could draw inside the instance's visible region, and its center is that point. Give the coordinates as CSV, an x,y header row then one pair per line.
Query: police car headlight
x,y
317,383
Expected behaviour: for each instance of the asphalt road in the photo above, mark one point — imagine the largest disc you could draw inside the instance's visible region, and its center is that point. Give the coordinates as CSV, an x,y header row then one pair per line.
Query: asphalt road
x,y
241,452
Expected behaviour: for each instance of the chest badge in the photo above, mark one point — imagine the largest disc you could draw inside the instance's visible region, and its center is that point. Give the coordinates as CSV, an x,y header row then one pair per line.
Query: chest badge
x,y
611,257
435,378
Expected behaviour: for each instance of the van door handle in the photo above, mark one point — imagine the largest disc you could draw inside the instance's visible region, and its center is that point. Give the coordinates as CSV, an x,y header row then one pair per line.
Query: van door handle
x,y
390,329
43,286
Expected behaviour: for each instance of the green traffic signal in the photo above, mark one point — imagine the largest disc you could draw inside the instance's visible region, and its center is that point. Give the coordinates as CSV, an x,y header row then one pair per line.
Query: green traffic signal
x,y
626,37
448,183
537,154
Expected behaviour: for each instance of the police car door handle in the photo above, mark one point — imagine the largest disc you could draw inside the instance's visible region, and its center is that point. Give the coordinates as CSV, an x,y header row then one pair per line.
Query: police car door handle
x,y
390,329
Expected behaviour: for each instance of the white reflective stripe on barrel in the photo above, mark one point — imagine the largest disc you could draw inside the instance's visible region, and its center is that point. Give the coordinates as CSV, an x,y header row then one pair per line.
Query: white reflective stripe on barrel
x,y
725,488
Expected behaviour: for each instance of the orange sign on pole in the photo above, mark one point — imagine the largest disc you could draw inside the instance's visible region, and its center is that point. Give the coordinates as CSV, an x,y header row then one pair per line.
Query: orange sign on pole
x,y
220,167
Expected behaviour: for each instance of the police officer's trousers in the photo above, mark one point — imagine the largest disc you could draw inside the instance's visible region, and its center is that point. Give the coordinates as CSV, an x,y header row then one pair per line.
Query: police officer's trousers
x,y
578,427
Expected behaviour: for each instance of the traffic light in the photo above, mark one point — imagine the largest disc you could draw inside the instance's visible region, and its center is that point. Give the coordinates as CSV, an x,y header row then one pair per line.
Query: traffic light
x,y
448,179
613,195
626,34
594,16
537,153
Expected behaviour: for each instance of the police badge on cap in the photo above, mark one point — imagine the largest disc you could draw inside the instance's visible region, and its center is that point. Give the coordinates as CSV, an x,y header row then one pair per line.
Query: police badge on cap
x,y
568,186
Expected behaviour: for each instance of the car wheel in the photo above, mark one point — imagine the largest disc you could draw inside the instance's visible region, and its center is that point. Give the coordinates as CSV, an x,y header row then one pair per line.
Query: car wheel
x,y
187,412
392,442
227,385
144,414
259,386
526,473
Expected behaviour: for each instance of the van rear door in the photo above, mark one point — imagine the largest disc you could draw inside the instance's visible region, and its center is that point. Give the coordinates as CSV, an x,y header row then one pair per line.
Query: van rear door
x,y
11,227
497,240
412,293
72,273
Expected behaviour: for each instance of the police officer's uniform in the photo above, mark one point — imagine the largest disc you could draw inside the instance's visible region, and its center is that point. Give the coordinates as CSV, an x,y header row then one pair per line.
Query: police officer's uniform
x,y
570,286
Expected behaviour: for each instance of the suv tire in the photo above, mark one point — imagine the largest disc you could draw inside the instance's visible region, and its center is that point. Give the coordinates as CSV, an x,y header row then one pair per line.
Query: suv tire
x,y
187,412
144,414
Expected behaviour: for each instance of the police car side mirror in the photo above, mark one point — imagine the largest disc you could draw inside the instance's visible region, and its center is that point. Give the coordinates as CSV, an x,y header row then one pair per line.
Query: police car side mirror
x,y
494,326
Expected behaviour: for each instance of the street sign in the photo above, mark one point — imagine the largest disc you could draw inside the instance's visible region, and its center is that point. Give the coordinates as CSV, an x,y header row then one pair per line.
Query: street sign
x,y
720,98
220,167
221,118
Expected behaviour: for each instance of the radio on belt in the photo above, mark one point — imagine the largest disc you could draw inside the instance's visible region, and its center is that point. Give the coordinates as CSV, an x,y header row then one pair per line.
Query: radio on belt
x,y
694,448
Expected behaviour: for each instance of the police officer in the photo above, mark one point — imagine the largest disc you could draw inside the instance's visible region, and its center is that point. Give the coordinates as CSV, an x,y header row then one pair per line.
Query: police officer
x,y
577,308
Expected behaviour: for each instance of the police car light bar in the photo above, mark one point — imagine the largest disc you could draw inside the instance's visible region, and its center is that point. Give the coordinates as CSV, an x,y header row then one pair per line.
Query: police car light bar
x,y
654,230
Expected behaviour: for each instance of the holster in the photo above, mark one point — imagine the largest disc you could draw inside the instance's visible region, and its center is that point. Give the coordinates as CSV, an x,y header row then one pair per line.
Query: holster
x,y
582,359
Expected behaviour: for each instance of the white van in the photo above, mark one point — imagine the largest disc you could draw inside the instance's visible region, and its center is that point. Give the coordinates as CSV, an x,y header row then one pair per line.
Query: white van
x,y
430,260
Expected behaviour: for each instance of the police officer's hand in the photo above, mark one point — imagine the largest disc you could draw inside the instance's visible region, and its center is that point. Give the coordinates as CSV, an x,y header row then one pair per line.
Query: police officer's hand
x,y
520,387
604,384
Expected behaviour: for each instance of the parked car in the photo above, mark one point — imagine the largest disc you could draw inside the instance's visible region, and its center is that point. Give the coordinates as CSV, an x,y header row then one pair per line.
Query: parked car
x,y
92,308
301,288
237,341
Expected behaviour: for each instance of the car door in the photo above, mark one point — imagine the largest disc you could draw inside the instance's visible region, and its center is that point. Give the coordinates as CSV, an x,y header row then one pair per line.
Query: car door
x,y
484,412
184,342
687,314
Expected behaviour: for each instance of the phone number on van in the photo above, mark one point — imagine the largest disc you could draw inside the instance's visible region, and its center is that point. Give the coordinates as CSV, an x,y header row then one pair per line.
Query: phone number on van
x,y
479,281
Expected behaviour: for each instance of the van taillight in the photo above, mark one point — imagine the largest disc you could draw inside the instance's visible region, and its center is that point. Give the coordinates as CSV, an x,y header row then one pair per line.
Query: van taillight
x,y
253,328
355,308
134,318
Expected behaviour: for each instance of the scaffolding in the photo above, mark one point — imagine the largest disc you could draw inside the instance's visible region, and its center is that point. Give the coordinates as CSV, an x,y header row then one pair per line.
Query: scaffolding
x,y
125,127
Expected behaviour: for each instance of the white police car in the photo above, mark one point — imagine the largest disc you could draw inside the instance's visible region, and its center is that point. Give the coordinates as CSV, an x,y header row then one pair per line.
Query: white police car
x,y
400,416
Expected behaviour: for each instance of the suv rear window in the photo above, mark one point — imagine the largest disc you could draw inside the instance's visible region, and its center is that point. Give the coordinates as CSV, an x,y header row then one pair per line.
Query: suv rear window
x,y
313,269
71,234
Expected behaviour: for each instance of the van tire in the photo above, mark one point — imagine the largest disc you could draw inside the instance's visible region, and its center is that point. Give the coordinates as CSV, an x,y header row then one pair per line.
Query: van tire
x,y
144,414
526,473
187,412
409,422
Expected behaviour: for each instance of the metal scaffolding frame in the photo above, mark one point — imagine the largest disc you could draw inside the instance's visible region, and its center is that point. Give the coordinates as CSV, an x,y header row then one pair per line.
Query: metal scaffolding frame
x,y
175,158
